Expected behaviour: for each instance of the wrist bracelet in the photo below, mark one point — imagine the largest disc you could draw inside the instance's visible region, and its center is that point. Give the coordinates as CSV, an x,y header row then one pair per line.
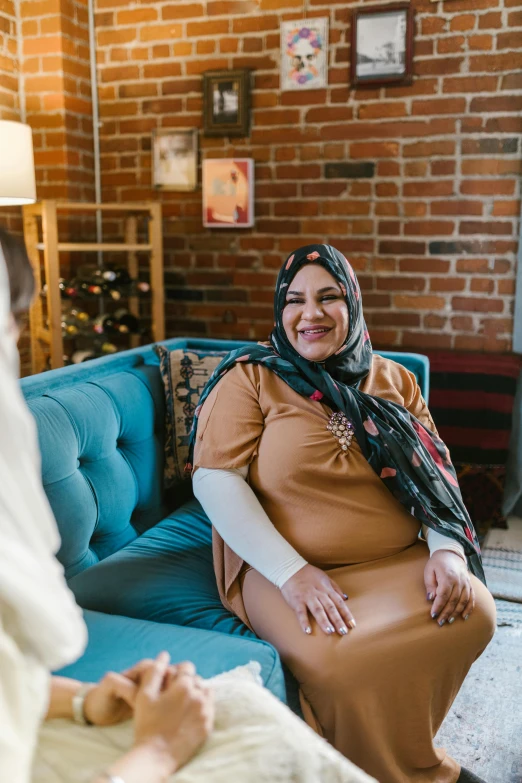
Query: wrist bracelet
x,y
78,702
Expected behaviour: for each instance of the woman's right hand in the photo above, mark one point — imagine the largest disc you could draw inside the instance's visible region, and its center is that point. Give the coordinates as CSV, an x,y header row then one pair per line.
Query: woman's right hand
x,y
173,712
312,591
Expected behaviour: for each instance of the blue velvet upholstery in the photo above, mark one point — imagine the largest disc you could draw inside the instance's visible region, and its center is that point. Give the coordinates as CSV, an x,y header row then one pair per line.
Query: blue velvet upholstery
x,y
100,427
165,575
127,641
102,450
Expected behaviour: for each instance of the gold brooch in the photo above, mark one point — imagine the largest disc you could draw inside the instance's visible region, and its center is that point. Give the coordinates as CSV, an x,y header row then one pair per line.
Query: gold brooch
x,y
342,429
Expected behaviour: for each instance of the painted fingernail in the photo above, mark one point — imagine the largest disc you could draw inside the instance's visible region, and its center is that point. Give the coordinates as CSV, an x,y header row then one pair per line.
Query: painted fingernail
x,y
466,617
434,614
343,630
451,620
441,622
345,596
352,623
308,629
329,629
430,596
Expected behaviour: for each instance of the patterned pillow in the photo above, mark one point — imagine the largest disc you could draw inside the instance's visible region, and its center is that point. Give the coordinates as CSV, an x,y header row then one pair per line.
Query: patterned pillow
x,y
184,374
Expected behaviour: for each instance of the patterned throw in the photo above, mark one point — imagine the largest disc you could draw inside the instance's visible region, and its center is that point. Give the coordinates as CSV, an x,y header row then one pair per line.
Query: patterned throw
x,y
471,399
412,462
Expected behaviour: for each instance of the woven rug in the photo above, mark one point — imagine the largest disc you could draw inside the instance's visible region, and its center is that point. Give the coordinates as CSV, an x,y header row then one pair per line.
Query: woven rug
x,y
502,557
483,730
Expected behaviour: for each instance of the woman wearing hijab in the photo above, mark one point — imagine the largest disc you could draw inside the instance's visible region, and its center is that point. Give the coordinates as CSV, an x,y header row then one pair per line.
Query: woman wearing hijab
x,y
41,629
319,465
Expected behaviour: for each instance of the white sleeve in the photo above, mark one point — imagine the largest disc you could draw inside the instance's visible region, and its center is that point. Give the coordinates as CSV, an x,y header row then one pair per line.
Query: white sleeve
x,y
239,518
436,541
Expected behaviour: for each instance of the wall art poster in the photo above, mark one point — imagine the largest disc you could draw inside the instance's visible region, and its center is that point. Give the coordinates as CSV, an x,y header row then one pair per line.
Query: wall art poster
x,y
175,159
228,192
304,54
226,102
382,45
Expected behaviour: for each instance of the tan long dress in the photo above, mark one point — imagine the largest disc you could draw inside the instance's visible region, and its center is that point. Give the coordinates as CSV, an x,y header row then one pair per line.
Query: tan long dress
x,y
380,693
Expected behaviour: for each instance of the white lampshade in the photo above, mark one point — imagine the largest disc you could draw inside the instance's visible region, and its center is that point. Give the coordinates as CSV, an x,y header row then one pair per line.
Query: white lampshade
x,y
17,183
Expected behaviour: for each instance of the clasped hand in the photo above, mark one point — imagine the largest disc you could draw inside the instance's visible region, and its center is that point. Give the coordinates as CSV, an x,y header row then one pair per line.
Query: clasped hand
x,y
170,705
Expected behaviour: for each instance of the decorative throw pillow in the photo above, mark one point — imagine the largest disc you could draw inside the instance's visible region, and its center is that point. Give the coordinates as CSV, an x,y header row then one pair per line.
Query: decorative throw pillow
x,y
184,374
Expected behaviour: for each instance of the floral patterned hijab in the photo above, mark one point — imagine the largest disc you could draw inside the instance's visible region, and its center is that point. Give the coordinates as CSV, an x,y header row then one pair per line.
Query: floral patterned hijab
x,y
413,463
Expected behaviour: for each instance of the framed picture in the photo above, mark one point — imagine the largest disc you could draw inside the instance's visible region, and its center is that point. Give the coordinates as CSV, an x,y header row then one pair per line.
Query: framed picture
x,y
175,159
226,103
228,192
304,54
382,45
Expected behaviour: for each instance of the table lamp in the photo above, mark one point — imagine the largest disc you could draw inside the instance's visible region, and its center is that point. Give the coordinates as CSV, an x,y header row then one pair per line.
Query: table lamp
x,y
17,182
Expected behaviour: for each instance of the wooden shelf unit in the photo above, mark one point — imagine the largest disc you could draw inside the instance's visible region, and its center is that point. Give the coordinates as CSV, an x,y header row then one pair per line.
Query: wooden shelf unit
x,y
48,341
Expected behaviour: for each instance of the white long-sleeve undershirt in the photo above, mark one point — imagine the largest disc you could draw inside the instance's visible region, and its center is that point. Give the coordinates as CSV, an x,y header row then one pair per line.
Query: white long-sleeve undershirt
x,y
239,518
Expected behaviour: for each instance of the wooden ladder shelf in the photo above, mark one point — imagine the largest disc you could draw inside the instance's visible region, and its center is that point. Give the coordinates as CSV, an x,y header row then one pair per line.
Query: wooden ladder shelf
x,y
48,340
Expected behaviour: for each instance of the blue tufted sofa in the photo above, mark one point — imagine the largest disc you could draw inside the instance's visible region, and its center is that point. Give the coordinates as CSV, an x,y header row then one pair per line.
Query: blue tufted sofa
x,y
138,561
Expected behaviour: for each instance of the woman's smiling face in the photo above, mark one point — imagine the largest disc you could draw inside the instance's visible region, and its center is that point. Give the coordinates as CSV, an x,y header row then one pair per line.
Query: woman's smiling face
x,y
315,317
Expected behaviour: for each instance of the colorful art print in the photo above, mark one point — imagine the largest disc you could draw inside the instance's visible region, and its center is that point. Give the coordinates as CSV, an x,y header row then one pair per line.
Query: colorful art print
x,y
304,54
228,192
226,103
175,159
382,45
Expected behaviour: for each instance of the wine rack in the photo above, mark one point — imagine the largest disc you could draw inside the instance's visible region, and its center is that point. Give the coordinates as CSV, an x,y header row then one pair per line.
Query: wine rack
x,y
47,346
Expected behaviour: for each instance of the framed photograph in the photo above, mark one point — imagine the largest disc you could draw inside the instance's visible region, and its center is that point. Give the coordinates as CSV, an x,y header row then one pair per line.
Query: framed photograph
x,y
175,159
226,103
228,192
382,45
304,54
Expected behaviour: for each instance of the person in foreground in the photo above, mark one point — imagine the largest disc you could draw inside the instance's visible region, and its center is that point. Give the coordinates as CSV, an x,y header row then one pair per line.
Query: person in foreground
x,y
319,465
41,627
173,732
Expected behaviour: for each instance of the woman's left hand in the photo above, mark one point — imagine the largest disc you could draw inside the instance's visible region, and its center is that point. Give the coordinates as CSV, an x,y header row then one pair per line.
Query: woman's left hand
x,y
112,699
448,584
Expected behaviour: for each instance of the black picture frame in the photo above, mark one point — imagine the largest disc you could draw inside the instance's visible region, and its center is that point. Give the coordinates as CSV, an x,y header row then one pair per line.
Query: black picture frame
x,y
226,102
384,61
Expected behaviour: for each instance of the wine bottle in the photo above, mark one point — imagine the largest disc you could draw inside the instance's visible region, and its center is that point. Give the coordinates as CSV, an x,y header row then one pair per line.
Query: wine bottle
x,y
108,348
128,322
114,281
90,289
83,356
69,326
80,315
106,324
68,289
92,353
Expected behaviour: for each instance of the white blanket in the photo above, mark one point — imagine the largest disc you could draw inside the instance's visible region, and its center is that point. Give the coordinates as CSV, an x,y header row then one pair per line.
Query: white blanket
x,y
256,739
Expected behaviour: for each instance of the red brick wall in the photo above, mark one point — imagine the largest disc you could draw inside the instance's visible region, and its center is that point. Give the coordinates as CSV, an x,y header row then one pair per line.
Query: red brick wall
x,y
10,99
418,185
56,78
44,50
9,102
9,86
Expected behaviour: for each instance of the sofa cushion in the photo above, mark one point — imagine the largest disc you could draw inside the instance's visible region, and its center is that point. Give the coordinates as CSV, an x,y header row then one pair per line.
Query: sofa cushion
x,y
102,459
184,374
131,640
165,575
